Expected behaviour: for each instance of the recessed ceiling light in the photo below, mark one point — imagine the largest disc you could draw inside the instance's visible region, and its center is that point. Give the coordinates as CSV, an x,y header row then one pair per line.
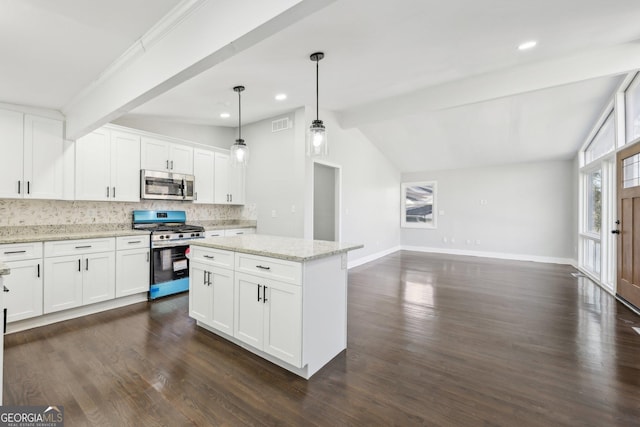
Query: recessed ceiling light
x,y
527,45
225,115
281,97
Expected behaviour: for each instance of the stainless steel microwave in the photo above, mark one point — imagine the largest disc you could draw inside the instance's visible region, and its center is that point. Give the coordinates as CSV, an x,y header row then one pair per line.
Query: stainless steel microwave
x,y
159,185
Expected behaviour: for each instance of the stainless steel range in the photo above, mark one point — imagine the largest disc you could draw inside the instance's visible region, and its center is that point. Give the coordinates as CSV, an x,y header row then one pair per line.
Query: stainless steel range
x,y
170,237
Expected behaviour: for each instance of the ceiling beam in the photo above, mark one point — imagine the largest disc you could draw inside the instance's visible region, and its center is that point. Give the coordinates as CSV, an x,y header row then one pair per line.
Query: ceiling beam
x,y
603,62
200,35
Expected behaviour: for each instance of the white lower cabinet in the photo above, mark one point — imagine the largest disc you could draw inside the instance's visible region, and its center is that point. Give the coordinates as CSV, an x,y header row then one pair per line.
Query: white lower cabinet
x,y
24,299
83,272
268,316
211,296
132,265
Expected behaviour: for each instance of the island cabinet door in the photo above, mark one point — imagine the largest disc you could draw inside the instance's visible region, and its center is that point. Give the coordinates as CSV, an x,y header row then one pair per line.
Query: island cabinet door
x,y
283,321
200,300
249,312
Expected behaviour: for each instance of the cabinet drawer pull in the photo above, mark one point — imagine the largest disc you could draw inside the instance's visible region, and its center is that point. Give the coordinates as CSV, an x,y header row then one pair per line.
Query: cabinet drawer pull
x,y
83,247
209,256
262,267
15,252
134,242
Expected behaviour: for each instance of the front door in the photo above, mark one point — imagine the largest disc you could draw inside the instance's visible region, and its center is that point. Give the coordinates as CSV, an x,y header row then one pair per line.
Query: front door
x,y
628,167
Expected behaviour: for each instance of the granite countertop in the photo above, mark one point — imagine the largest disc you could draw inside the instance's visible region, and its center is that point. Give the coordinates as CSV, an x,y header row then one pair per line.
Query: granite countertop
x,y
4,269
286,248
225,224
43,233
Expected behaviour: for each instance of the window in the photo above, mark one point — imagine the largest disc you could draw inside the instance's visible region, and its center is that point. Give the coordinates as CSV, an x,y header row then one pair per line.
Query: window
x,y
604,142
594,202
632,110
631,171
418,205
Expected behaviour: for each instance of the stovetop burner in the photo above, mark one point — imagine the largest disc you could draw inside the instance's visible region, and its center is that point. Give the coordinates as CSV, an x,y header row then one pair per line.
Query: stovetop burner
x,y
166,226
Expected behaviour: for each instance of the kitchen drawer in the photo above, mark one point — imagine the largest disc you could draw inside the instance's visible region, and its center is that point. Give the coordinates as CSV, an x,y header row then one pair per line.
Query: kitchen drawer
x,y
132,242
20,251
214,233
84,246
213,257
272,268
239,231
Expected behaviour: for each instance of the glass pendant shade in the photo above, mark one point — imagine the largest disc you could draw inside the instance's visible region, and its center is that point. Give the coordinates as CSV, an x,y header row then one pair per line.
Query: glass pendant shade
x,y
239,153
317,139
317,136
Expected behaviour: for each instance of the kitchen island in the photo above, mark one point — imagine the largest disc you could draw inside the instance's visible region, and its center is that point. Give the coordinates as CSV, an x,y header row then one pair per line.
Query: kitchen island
x,y
4,270
281,298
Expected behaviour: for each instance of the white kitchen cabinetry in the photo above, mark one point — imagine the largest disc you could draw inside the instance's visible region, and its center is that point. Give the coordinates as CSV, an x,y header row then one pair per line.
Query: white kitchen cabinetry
x,y
78,272
229,181
211,288
132,265
31,165
25,281
161,155
203,169
268,316
239,231
108,166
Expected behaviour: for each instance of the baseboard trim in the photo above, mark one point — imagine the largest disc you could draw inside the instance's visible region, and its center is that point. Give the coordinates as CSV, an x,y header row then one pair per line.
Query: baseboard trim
x,y
372,257
498,255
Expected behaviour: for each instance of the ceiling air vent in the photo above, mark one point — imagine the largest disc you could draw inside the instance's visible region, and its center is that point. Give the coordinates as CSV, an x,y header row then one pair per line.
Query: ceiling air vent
x,y
280,124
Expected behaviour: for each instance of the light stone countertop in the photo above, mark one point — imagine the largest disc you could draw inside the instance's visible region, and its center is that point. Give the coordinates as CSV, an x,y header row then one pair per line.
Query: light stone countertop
x,y
225,224
286,248
44,233
4,269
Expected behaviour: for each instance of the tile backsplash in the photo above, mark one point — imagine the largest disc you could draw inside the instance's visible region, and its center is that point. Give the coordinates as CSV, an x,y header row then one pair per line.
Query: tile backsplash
x,y
55,212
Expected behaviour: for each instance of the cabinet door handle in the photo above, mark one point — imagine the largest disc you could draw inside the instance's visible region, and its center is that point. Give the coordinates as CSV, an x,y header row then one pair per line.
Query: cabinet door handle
x,y
38,269
171,164
204,277
195,196
167,164
262,267
147,256
83,247
86,264
28,187
264,294
107,191
231,197
114,192
209,279
15,252
19,187
79,265
209,256
259,286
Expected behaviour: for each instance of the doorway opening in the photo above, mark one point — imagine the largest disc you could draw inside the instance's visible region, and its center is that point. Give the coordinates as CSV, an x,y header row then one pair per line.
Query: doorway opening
x,y
326,202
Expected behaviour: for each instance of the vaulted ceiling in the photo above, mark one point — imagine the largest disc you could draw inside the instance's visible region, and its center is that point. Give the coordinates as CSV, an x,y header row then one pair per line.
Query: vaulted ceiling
x,y
434,85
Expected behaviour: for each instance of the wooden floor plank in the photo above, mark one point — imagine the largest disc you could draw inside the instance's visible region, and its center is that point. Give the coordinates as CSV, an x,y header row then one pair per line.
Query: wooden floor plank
x,y
433,340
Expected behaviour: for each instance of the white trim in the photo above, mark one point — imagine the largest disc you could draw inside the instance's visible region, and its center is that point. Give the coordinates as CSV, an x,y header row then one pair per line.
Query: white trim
x,y
35,111
497,255
368,258
59,316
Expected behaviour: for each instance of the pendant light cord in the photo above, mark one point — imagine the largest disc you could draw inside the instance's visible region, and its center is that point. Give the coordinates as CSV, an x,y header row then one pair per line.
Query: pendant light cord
x,y
317,91
239,116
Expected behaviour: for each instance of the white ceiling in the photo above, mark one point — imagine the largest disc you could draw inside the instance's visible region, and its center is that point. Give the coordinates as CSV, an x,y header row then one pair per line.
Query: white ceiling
x,y
375,50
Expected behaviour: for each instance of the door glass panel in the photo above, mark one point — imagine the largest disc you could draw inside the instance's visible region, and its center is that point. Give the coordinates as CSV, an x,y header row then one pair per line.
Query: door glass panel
x,y
591,259
631,171
594,202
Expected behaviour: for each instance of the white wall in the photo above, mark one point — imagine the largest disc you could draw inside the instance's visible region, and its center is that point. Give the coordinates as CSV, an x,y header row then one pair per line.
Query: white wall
x,y
324,202
275,177
529,212
370,199
216,136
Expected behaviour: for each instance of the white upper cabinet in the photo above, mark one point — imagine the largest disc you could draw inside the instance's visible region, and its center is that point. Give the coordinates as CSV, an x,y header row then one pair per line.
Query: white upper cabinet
x,y
229,181
203,169
108,166
32,156
161,155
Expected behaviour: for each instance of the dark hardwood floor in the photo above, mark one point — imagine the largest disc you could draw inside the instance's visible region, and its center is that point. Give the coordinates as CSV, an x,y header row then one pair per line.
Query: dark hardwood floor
x,y
433,340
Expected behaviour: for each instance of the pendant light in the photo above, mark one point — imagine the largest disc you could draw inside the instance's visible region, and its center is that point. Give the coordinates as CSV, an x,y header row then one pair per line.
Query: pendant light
x,y
317,135
239,151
